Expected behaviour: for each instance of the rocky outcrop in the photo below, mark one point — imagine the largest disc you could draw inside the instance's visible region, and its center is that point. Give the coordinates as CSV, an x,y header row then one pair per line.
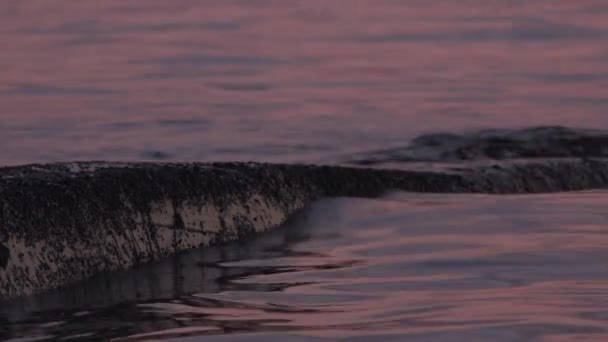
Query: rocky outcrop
x,y
498,144
60,223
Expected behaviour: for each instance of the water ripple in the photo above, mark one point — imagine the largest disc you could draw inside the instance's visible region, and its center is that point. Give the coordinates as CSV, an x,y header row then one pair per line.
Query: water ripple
x,y
324,276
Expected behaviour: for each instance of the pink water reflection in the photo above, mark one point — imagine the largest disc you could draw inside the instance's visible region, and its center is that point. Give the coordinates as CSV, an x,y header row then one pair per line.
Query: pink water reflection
x,y
406,266
288,80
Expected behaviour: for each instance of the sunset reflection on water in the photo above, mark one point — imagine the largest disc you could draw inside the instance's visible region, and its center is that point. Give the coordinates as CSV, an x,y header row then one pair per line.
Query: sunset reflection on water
x,y
288,80
415,266
318,81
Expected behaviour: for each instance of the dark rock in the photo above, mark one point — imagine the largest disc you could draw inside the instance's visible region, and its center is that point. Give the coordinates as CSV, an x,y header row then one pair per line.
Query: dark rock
x,y
4,255
70,221
500,144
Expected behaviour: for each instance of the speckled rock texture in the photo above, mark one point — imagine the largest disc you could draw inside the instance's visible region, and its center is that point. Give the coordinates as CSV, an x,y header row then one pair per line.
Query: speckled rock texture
x,y
60,223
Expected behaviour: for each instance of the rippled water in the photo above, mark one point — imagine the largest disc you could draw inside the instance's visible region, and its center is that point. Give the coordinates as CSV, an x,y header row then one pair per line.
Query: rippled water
x,y
320,81
286,80
417,266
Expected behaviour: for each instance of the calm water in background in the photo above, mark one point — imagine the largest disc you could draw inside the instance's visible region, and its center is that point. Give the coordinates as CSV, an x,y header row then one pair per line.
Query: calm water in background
x,y
282,80
316,80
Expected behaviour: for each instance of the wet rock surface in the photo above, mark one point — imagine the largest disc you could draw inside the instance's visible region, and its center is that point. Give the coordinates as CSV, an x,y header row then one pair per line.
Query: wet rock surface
x,y
536,142
60,223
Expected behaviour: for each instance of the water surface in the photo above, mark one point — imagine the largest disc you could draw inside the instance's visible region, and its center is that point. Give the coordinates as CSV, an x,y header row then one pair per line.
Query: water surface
x,y
288,80
318,81
407,266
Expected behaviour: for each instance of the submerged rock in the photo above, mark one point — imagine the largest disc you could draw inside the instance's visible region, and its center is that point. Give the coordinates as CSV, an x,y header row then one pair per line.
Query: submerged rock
x,y
500,144
60,223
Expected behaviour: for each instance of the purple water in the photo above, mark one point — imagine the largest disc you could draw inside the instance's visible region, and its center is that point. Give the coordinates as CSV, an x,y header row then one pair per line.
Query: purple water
x,y
283,80
414,267
319,81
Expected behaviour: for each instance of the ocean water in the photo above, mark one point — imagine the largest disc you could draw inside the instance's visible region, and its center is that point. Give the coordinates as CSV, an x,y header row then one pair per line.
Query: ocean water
x,y
419,267
287,80
325,81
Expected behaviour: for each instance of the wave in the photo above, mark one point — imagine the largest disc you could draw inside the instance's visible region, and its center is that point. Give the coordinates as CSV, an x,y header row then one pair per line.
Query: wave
x,y
498,144
60,223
